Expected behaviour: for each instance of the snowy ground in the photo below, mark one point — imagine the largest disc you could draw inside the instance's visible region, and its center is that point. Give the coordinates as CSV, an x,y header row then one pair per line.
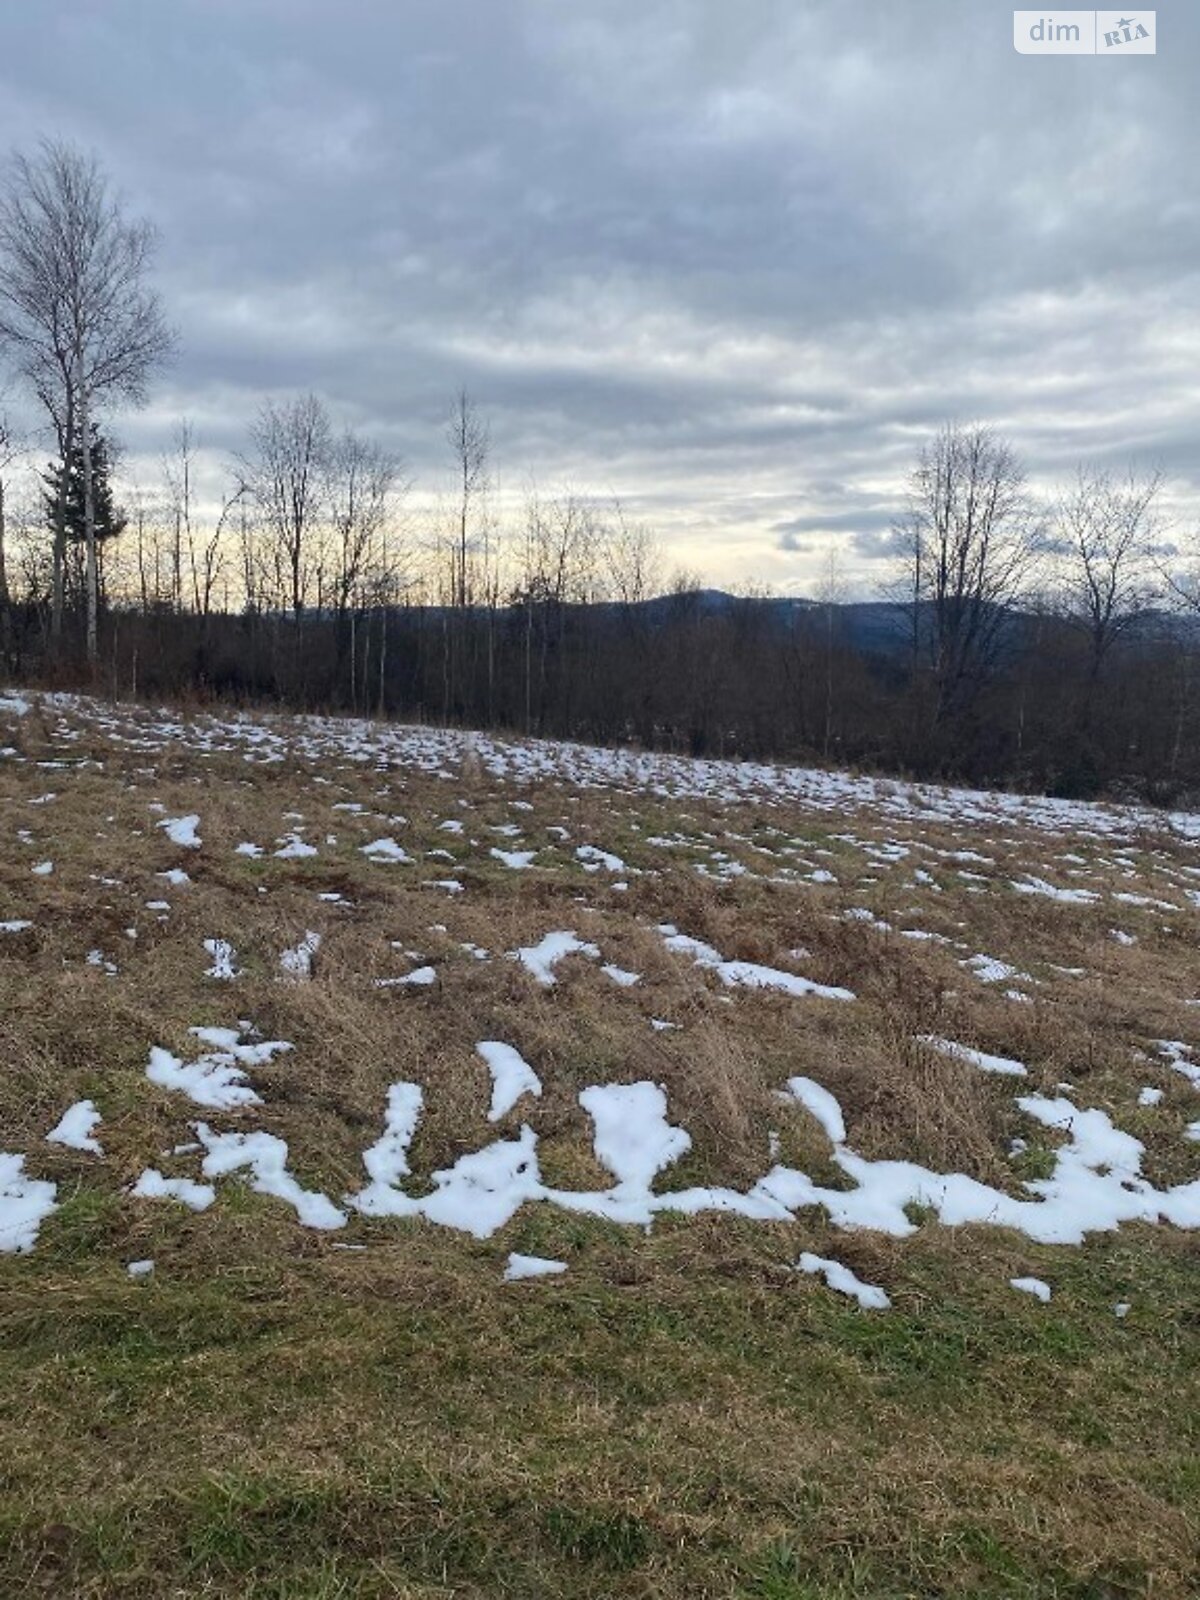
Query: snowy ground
x,y
281,986
1112,862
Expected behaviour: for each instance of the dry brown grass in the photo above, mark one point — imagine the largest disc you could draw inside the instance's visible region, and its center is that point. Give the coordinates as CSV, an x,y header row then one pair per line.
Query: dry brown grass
x,y
682,1415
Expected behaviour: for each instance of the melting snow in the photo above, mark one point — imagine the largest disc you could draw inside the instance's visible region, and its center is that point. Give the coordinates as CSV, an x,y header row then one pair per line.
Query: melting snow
x,y
293,848
975,1058
746,974
990,970
482,1191
1178,1057
387,1159
512,1076
217,1079
74,1129
152,1185
297,964
419,978
266,1157
844,1281
224,958
1077,897
182,831
541,959
622,978
517,859
386,850
822,1105
633,1138
25,1203
593,859
531,1267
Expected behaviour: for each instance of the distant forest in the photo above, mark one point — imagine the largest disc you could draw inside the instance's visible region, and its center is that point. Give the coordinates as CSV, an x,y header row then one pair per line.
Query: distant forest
x,y
1050,643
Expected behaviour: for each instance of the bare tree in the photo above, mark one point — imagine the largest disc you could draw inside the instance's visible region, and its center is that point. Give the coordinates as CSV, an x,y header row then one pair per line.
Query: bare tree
x,y
144,520
177,470
559,567
1107,528
631,559
467,435
286,479
968,544
202,551
831,594
74,306
362,477
1179,570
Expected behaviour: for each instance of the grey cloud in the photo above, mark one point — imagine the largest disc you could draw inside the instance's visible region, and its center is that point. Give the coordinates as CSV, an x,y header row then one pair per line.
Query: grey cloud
x,y
732,263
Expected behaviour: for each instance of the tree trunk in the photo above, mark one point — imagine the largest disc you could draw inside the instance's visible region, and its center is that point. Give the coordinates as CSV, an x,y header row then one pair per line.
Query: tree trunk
x,y
89,528
5,614
58,594
383,622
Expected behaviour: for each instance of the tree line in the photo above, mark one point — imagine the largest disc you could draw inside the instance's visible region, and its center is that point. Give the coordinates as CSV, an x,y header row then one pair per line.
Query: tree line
x,y
1047,642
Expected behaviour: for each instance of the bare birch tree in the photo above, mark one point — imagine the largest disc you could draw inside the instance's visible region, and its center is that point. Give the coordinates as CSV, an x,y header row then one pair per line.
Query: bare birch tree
x,y
74,306
467,435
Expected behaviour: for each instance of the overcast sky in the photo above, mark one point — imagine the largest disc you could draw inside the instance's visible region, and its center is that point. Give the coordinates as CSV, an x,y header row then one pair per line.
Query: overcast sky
x,y
730,260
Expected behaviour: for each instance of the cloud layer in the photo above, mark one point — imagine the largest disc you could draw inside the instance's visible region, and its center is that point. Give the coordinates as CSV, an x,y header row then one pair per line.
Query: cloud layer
x,y
729,262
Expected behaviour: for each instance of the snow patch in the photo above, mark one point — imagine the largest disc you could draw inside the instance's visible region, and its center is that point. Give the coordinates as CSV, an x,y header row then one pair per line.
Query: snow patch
x,y
266,1157
512,1076
542,958
25,1203
216,1079
386,850
844,1281
152,1185
746,974
182,831
297,964
531,1267
74,1128
975,1058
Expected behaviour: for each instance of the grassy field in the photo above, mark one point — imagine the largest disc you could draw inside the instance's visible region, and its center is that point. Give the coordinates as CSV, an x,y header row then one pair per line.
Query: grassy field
x,y
368,1411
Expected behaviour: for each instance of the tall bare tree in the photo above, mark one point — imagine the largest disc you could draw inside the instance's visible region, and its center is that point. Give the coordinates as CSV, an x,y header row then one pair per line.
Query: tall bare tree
x,y
74,305
362,476
467,435
631,559
286,479
1107,528
967,546
831,594
177,470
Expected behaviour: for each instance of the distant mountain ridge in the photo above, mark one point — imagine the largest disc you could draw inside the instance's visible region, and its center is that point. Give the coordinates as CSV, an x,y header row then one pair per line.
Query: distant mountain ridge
x,y
879,626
